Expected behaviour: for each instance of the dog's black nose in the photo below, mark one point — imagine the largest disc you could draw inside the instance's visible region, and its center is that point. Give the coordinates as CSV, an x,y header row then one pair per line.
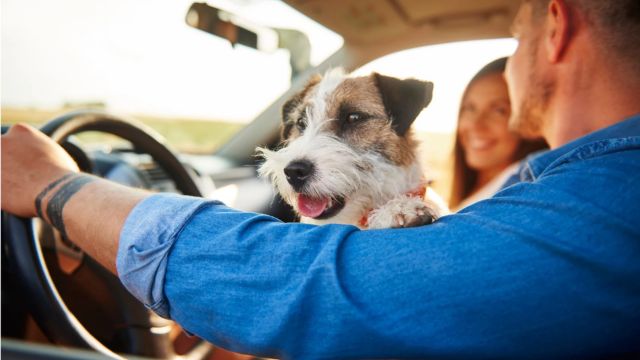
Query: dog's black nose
x,y
297,172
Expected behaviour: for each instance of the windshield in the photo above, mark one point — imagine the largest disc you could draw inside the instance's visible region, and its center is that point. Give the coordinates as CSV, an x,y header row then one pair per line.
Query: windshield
x,y
450,67
140,58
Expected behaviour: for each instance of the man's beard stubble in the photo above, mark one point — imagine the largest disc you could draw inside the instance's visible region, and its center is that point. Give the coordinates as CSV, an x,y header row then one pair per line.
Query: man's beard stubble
x,y
528,119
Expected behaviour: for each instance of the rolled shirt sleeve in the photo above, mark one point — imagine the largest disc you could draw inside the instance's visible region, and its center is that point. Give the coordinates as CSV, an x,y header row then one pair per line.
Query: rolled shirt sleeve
x,y
143,249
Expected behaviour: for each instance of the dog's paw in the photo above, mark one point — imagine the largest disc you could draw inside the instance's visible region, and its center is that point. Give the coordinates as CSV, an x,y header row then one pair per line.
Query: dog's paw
x,y
415,217
403,212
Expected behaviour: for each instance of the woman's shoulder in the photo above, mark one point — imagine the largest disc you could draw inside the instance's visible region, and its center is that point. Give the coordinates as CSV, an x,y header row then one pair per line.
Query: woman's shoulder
x,y
492,187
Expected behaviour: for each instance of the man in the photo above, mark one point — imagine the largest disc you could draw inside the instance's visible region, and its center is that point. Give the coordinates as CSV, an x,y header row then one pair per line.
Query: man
x,y
549,267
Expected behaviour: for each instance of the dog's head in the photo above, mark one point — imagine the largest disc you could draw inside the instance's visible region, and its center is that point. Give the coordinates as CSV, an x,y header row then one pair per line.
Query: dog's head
x,y
347,145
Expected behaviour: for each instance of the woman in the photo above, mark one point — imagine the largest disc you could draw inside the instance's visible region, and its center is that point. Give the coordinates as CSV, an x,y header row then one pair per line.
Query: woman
x,y
486,152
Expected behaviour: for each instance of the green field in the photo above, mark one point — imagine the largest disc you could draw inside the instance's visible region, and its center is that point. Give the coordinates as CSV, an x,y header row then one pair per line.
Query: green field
x,y
185,135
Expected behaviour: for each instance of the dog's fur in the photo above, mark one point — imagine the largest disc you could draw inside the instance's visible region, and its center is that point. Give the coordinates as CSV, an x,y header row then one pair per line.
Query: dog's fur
x,y
348,139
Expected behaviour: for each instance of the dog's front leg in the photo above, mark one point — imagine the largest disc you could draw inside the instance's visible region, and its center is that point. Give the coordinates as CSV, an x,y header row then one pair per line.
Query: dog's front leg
x,y
404,211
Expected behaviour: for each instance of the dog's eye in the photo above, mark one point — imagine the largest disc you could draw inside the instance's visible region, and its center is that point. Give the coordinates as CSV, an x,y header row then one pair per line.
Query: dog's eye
x,y
356,117
300,123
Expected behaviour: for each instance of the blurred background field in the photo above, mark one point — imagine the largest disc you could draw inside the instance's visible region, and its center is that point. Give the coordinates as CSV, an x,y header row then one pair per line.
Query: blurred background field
x,y
185,135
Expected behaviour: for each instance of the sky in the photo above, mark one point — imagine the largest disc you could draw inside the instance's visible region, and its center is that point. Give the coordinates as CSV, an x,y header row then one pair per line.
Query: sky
x,y
139,57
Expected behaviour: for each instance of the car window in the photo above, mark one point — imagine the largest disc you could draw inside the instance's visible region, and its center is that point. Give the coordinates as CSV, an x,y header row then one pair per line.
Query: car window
x,y
450,67
140,58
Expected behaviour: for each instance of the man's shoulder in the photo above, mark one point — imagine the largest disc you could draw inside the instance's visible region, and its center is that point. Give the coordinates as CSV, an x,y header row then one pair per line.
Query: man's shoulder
x,y
600,177
613,154
622,148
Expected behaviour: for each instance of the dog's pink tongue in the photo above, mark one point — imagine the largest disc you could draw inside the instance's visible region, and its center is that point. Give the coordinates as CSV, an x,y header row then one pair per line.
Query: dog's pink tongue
x,y
311,207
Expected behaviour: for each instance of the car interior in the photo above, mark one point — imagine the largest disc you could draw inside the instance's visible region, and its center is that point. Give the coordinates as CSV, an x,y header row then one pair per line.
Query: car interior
x,y
58,303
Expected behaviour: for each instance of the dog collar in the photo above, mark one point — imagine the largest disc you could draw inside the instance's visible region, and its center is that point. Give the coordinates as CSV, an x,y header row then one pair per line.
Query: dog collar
x,y
418,192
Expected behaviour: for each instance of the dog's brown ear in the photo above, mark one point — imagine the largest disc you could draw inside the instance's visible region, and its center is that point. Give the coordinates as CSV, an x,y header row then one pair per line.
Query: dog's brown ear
x,y
292,104
296,99
403,99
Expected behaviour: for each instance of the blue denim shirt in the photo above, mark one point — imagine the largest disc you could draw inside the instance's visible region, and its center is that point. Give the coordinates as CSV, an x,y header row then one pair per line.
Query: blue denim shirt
x,y
549,267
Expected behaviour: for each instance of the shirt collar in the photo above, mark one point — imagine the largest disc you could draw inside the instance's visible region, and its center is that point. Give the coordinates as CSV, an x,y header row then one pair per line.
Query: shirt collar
x,y
536,163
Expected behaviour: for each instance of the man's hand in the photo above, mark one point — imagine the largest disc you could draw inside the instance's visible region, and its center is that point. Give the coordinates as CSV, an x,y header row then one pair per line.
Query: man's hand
x,y
93,214
30,162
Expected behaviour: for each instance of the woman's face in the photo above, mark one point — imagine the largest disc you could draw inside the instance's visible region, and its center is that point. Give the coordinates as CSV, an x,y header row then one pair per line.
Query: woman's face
x,y
483,129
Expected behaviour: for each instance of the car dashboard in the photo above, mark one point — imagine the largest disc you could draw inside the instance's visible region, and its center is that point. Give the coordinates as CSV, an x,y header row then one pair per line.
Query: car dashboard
x,y
237,186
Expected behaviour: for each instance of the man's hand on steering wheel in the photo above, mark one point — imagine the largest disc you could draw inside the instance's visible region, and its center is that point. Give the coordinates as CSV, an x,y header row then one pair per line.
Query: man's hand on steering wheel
x,y
90,212
30,162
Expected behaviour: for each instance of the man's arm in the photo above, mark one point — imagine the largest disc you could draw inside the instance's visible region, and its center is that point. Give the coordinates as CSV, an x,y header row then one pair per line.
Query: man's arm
x,y
31,163
539,271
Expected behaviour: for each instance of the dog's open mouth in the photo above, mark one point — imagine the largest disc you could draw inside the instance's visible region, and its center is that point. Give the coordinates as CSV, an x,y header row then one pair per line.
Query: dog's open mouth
x,y
319,208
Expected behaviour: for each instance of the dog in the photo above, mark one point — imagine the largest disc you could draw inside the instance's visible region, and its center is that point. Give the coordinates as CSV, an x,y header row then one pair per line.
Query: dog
x,y
348,155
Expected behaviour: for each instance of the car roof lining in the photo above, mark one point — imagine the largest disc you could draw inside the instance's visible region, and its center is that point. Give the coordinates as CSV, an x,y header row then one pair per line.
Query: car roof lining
x,y
365,22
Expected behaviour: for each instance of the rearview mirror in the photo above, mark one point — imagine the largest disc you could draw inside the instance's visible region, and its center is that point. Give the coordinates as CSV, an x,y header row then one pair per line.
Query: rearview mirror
x,y
207,18
238,31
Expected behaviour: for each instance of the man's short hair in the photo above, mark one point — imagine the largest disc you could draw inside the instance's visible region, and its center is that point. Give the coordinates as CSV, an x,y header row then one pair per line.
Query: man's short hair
x,y
615,22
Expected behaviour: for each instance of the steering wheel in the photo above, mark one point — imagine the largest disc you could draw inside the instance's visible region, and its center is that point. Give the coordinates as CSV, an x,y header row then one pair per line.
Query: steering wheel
x,y
87,306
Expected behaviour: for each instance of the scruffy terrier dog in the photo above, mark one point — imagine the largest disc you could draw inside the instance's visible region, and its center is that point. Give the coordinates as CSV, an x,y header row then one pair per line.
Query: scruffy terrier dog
x,y
348,154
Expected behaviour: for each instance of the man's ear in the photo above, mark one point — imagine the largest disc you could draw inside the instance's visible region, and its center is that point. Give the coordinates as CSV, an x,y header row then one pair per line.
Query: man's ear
x,y
403,99
559,29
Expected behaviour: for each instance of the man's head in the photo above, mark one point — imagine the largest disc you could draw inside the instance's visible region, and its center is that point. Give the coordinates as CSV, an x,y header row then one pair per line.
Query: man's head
x,y
558,36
